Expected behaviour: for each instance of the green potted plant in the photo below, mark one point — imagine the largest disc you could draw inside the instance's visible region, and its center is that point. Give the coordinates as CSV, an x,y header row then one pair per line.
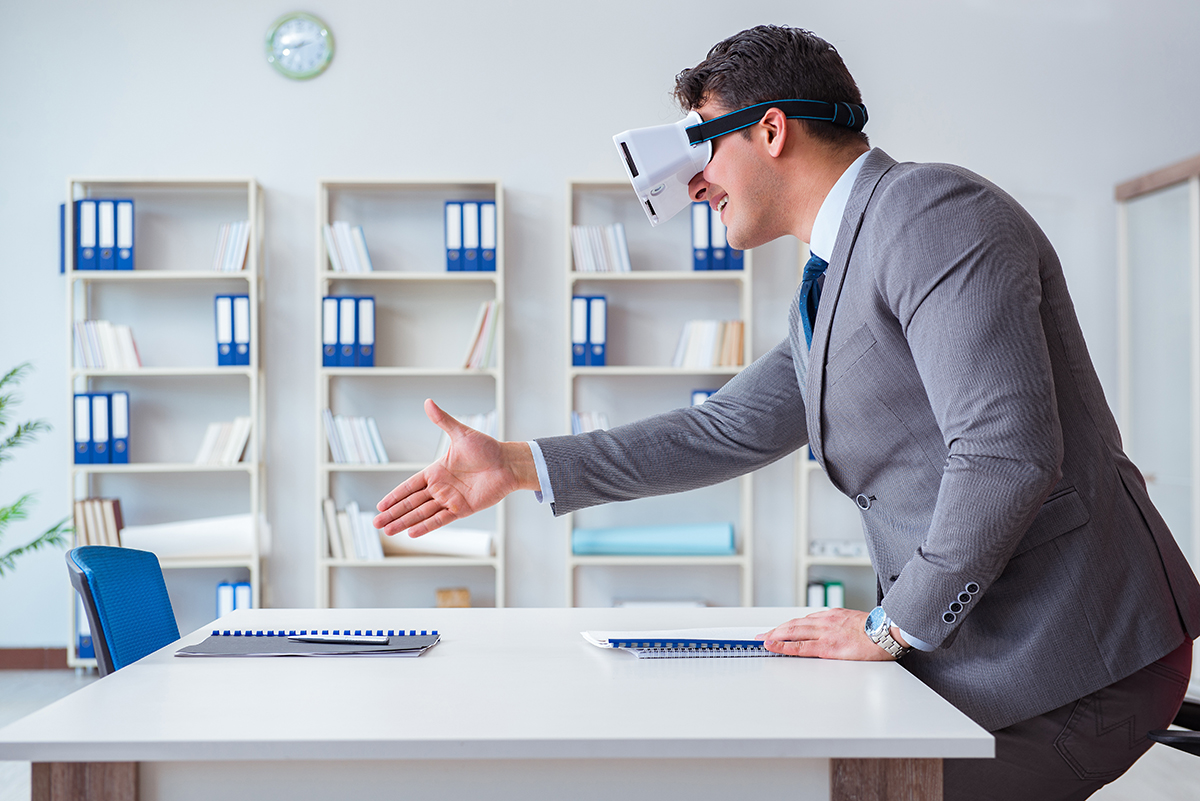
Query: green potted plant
x,y
23,433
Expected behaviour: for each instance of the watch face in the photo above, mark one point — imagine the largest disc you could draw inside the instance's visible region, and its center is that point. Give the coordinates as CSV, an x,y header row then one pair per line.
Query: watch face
x,y
877,623
299,45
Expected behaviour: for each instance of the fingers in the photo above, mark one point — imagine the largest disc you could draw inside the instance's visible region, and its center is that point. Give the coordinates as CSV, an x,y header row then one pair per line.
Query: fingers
x,y
440,419
830,634
403,491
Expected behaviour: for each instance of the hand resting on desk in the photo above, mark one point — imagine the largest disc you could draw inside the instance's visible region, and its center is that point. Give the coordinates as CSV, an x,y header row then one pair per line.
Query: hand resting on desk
x,y
827,634
477,472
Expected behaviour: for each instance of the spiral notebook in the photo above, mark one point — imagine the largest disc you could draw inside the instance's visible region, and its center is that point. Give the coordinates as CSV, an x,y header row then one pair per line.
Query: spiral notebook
x,y
353,642
711,643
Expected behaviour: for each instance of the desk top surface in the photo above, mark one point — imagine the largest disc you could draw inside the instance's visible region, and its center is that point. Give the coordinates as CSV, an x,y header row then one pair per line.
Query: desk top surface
x,y
501,684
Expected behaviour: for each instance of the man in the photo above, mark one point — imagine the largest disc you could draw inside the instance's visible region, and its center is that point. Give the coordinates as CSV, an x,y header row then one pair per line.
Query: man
x,y
936,367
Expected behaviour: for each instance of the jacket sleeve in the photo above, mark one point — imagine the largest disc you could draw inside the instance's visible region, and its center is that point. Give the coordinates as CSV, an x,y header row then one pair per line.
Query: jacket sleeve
x,y
962,277
756,418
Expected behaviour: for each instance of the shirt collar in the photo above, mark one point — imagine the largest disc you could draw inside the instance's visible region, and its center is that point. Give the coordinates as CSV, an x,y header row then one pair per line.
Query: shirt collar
x,y
829,216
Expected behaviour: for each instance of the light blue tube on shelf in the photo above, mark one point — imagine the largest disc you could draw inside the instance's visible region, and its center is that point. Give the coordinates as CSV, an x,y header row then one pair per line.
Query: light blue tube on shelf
x,y
699,539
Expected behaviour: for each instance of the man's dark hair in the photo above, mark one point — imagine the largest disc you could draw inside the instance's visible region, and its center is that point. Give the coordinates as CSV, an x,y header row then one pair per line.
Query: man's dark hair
x,y
769,63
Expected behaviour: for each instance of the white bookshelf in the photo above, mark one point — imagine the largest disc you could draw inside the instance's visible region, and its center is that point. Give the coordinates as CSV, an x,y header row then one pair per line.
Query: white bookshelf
x,y
423,321
168,301
647,308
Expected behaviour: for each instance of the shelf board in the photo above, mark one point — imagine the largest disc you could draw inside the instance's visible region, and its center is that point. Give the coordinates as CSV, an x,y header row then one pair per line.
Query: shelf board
x,y
693,561
397,275
653,371
662,275
165,467
408,372
838,561
160,275
415,561
183,562
364,467
163,372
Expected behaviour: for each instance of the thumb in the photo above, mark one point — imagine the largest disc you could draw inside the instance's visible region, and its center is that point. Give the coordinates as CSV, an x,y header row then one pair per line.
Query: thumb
x,y
442,420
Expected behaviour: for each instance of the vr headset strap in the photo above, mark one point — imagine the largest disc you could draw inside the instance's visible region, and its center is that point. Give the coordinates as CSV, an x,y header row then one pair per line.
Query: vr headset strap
x,y
848,115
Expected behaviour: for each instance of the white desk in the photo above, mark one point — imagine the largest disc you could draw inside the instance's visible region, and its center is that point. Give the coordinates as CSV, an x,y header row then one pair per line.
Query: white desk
x,y
512,703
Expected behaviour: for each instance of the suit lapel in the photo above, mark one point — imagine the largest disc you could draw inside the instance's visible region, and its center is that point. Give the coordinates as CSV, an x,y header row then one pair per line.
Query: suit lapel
x,y
876,166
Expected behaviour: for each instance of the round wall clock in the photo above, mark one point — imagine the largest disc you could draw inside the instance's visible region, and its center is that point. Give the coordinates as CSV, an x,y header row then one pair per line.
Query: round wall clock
x,y
299,45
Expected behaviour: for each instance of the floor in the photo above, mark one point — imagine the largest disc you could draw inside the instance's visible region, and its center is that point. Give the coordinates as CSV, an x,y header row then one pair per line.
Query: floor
x,y
1164,774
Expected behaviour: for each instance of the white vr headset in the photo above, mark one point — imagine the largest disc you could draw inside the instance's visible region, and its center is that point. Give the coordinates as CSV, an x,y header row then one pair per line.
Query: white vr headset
x,y
661,160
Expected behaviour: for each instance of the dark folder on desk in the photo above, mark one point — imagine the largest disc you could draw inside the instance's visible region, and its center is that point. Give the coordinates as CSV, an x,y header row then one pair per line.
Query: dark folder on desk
x,y
277,643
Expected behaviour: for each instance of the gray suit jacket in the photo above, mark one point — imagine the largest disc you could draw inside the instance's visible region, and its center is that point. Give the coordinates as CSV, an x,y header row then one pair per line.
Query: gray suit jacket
x,y
948,390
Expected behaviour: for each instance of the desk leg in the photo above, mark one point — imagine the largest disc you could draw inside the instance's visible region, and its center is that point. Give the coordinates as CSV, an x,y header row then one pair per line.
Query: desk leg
x,y
885,779
84,781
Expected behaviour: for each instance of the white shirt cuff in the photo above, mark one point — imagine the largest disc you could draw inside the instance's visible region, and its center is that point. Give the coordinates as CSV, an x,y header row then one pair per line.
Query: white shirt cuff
x,y
546,495
920,645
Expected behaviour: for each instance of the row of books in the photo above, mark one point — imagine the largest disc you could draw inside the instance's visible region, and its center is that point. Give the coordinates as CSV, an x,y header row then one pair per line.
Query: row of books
x,y
480,351
101,345
699,539
224,443
346,246
585,421
710,247
589,330
347,331
354,440
103,233
233,330
600,248
234,595
485,423
351,536
98,521
470,235
101,423
838,548
826,593
233,241
710,343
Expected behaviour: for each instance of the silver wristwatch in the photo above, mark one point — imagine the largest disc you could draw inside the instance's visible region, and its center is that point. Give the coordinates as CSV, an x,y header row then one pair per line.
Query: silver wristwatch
x,y
879,629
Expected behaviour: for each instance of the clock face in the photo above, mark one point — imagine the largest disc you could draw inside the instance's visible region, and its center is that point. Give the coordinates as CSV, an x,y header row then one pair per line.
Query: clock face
x,y
299,45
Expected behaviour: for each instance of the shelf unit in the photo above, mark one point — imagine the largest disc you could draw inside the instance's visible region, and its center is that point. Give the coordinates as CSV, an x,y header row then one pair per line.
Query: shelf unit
x,y
646,312
423,319
168,301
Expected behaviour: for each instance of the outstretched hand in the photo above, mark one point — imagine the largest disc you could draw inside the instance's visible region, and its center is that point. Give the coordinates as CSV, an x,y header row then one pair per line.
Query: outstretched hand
x,y
827,634
477,472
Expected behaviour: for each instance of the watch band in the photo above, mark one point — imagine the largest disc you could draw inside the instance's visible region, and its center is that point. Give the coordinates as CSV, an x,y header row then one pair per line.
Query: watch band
x,y
879,628
888,643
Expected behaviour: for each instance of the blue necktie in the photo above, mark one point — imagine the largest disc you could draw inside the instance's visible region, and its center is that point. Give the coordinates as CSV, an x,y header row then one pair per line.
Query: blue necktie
x,y
810,293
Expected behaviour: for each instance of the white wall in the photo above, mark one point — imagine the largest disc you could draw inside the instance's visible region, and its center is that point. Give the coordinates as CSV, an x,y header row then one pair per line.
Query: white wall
x,y
1056,100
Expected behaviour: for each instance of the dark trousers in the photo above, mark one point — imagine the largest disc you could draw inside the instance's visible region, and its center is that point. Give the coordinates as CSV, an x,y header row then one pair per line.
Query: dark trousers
x,y
1071,752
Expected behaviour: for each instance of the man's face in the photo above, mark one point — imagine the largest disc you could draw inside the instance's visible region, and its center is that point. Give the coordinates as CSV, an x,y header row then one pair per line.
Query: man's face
x,y
742,185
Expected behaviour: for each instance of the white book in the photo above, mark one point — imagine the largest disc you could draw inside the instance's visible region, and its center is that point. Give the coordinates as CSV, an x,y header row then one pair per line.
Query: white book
x,y
355,520
377,441
335,259
235,446
681,348
362,437
219,253
336,450
128,350
346,437
109,355
577,249
208,444
476,335
360,249
331,529
81,355
241,247
345,246
219,446
450,541
622,248
230,243
349,543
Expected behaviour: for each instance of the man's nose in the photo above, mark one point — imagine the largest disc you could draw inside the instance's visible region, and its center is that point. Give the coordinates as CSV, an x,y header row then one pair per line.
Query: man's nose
x,y
698,187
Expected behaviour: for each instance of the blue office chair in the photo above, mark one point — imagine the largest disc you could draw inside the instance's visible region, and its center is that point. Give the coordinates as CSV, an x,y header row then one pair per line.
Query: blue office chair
x,y
1188,718
126,602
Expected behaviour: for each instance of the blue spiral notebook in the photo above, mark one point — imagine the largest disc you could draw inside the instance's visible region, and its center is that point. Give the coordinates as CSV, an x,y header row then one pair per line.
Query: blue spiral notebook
x,y
703,643
314,642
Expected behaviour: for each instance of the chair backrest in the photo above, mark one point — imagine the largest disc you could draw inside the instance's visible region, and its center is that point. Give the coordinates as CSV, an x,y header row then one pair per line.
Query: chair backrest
x,y
126,602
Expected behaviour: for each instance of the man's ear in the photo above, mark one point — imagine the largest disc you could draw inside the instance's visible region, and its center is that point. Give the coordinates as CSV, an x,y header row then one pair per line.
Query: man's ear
x,y
773,128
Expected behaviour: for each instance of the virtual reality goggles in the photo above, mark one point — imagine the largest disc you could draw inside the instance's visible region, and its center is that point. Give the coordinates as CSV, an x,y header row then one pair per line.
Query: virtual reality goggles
x,y
661,160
